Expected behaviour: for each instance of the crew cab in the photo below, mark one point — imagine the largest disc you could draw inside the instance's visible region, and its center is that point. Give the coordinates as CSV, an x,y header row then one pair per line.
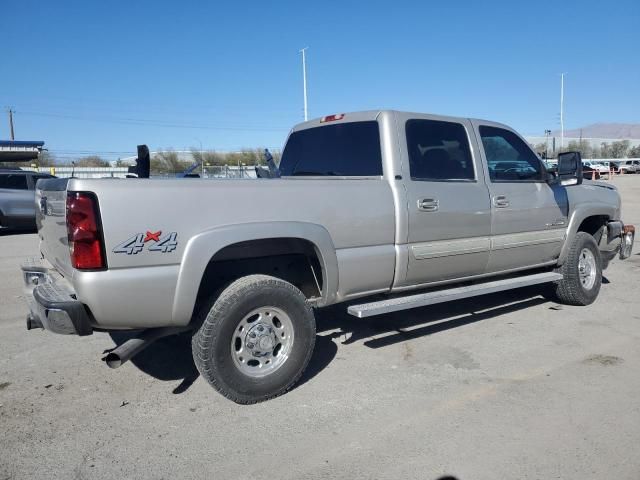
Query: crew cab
x,y
380,210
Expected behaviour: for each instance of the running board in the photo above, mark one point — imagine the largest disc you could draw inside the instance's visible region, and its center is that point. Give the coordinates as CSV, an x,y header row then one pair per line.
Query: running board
x,y
440,296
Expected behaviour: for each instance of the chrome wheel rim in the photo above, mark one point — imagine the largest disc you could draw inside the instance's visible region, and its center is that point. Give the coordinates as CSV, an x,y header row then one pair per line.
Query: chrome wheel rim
x,y
262,341
587,269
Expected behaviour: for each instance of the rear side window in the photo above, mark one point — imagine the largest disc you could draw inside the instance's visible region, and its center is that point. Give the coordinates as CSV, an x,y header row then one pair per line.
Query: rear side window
x,y
438,151
346,149
14,182
509,159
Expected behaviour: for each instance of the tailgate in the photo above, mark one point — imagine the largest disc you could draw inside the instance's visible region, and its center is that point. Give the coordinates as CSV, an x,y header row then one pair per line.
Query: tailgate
x,y
51,203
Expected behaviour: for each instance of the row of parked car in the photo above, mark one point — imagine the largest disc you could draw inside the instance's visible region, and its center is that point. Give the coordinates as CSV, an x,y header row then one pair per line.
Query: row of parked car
x,y
621,166
593,169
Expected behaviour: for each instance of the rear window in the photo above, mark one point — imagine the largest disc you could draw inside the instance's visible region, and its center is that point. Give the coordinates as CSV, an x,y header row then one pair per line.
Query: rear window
x,y
14,182
346,149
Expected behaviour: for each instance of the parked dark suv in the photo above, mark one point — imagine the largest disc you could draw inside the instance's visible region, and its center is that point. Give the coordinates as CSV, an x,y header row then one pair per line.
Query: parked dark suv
x,y
17,198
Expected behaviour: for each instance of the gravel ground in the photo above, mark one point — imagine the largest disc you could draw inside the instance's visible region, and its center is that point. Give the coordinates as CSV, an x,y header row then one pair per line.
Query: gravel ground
x,y
504,386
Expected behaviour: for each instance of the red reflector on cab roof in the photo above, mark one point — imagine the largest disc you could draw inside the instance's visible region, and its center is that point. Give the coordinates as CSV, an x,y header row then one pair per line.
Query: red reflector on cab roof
x,y
332,118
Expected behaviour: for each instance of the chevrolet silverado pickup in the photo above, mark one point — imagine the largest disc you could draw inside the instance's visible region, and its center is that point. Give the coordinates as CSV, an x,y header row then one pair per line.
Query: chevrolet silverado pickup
x,y
397,209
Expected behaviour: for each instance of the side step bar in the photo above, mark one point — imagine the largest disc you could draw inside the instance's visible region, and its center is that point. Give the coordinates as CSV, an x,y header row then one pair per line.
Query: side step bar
x,y
440,296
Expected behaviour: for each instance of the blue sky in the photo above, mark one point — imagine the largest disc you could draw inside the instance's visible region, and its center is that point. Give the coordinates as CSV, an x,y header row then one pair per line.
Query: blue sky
x,y
105,76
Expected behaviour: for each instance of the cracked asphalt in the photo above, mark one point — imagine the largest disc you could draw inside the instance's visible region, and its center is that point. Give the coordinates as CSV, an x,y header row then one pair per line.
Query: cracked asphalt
x,y
503,386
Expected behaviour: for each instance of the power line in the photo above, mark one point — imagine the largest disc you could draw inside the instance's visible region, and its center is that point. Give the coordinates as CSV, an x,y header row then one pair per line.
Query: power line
x,y
155,123
71,153
115,106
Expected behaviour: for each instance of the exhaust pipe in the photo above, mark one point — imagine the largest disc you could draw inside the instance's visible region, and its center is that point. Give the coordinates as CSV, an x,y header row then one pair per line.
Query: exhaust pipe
x,y
133,346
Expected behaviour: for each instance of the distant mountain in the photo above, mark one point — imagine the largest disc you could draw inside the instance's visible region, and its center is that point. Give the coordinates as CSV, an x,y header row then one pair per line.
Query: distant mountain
x,y
604,130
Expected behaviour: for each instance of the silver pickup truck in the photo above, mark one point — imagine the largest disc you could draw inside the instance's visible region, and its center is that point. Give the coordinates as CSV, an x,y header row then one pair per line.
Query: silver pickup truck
x,y
408,209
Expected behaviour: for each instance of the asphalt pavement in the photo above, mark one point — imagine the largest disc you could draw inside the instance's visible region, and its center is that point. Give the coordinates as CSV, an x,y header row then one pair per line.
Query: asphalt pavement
x,y
506,386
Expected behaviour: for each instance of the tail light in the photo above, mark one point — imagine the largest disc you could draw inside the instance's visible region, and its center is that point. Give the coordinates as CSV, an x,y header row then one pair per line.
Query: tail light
x,y
84,232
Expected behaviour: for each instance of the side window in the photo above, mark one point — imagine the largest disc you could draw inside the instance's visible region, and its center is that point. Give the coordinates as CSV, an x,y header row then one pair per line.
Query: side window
x,y
14,181
509,158
438,151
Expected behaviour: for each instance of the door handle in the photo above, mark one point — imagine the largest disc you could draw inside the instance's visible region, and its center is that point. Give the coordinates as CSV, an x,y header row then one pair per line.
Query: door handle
x,y
428,205
500,201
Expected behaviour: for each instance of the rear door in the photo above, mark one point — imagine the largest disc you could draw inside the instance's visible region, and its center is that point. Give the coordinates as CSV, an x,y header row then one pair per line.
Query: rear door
x,y
448,202
528,215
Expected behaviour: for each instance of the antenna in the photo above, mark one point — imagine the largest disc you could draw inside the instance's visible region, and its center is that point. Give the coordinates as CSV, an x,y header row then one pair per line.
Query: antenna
x,y
304,81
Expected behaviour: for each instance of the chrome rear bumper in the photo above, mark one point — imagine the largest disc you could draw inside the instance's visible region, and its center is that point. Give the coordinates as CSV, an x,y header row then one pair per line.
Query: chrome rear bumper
x,y
52,303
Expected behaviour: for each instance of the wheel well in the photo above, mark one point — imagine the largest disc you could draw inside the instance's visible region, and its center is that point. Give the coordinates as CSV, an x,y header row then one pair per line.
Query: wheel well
x,y
592,225
294,260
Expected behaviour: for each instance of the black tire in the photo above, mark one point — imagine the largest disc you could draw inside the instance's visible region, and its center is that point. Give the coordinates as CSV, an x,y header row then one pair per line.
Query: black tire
x,y
570,290
212,343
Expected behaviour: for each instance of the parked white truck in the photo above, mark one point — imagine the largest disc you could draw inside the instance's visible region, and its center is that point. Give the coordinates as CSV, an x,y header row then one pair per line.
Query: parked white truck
x,y
400,207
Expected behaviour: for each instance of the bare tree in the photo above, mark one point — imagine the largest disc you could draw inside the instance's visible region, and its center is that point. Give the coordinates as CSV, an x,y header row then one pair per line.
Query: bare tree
x,y
46,159
167,162
92,161
635,152
620,148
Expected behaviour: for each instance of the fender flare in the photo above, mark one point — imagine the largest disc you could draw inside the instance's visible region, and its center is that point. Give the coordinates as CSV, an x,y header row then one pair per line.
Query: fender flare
x,y
582,212
201,249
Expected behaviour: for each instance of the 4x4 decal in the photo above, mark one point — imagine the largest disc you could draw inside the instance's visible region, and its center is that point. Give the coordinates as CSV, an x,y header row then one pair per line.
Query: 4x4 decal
x,y
154,241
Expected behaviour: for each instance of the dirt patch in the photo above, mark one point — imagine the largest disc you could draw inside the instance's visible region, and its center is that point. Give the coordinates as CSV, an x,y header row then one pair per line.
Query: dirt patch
x,y
604,360
4,385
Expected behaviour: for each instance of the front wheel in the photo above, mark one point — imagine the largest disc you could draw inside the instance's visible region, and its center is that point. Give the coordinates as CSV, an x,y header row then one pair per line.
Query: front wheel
x,y
582,272
256,340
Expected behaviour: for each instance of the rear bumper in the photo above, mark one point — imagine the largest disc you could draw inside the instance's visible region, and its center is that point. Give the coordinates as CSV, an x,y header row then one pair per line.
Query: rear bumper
x,y
52,303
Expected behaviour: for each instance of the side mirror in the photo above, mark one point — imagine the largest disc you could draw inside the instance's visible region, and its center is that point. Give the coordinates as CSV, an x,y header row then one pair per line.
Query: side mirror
x,y
570,168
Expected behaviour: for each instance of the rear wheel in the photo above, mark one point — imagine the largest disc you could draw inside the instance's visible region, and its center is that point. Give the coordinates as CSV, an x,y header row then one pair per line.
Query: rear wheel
x,y
256,339
582,272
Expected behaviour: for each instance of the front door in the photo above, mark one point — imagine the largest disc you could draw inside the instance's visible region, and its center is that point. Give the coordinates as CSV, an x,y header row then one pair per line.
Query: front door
x,y
528,215
448,201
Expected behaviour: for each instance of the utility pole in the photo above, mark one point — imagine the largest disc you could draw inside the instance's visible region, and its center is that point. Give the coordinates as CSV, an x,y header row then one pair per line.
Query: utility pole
x,y
201,157
561,111
304,81
11,112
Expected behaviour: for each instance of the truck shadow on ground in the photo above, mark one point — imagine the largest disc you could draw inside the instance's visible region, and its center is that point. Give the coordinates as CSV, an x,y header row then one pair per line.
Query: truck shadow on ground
x,y
384,330
169,359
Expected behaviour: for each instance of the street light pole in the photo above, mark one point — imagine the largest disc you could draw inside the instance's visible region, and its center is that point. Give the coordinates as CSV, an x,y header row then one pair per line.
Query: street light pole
x,y
304,81
561,111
